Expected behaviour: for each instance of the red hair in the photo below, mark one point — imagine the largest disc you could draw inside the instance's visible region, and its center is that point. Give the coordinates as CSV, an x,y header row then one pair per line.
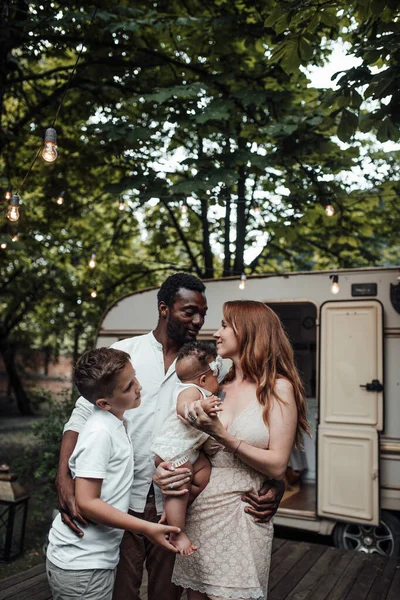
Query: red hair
x,y
266,354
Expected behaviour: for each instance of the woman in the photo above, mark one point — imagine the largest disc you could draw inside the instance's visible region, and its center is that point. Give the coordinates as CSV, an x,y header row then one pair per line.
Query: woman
x,y
264,413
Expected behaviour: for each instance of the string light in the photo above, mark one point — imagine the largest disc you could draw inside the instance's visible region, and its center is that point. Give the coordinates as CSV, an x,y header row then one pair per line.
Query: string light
x,y
256,208
60,199
335,284
3,245
121,203
184,207
15,237
242,283
13,211
49,152
329,210
92,261
8,193
93,293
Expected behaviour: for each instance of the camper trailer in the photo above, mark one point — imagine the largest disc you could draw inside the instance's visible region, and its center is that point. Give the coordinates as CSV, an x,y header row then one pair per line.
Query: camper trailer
x,y
345,331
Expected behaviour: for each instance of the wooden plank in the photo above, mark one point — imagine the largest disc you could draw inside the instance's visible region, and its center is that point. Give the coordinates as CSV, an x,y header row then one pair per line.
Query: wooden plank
x,y
26,584
338,566
9,581
347,580
286,562
287,584
280,554
40,591
277,543
394,591
381,585
366,578
306,586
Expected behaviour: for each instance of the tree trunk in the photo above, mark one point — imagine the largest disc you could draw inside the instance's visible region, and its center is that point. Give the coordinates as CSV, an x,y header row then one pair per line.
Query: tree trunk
x,y
240,221
208,255
207,252
227,231
21,397
75,354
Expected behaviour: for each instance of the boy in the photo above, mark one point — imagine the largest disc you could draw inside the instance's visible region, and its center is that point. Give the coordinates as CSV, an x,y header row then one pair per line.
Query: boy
x,y
198,368
102,465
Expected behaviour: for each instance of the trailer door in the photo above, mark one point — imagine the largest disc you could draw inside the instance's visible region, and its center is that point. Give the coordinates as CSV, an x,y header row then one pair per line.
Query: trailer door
x,y
351,410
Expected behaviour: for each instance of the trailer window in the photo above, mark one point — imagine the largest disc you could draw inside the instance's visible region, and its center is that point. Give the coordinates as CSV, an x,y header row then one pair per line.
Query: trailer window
x,y
299,321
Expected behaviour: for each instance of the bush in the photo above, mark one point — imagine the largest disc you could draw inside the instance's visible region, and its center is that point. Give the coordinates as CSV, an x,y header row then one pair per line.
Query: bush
x,y
42,460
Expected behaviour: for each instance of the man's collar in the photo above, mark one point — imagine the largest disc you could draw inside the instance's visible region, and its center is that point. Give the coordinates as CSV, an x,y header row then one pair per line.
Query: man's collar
x,y
153,340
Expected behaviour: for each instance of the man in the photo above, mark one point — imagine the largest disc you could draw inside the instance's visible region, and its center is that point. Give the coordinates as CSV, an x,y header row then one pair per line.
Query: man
x,y
182,308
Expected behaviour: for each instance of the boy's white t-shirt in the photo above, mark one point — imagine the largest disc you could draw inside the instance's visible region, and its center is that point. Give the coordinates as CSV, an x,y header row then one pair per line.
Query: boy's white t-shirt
x,y
103,451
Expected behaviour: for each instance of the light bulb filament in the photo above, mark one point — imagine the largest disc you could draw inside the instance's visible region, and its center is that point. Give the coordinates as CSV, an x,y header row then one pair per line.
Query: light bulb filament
x,y
49,152
92,261
329,210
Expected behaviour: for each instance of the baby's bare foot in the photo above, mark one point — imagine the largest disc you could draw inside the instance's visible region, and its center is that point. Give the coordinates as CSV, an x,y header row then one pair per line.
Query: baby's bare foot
x,y
182,543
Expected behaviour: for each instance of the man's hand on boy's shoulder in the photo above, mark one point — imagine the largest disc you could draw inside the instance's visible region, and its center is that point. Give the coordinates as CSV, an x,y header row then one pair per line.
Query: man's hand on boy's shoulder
x,y
211,405
67,505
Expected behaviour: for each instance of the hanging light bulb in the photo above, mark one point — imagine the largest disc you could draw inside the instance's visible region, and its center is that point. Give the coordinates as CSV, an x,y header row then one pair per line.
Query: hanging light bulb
x,y
93,293
121,203
335,283
3,245
8,194
329,210
60,199
15,237
92,261
13,210
49,152
184,207
242,283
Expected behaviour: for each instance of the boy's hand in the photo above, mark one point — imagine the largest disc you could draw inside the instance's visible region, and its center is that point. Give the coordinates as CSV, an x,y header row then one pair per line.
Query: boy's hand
x,y
211,405
163,519
158,534
67,504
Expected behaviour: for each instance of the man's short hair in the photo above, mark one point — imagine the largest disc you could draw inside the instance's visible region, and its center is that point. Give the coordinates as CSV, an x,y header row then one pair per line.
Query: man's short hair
x,y
171,286
95,372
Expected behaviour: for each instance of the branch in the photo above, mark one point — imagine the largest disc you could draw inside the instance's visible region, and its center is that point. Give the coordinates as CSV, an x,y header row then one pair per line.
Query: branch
x,y
182,237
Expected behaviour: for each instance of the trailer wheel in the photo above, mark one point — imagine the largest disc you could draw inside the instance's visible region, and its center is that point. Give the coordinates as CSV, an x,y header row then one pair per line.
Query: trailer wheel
x,y
382,539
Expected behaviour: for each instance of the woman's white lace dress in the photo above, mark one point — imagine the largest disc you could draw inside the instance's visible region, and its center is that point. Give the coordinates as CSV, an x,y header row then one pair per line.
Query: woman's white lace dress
x,y
234,555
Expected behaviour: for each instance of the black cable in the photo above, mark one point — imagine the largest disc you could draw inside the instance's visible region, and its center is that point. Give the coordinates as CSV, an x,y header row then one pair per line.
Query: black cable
x,y
65,93
76,63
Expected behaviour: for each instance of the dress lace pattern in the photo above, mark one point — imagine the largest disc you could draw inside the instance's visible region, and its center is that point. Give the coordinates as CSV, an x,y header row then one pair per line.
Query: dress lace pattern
x,y
234,555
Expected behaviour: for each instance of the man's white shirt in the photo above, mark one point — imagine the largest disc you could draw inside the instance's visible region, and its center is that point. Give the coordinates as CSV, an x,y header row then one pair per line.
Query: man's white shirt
x,y
146,421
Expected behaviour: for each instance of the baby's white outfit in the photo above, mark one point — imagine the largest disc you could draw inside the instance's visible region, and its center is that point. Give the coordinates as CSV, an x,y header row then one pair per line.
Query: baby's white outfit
x,y
179,442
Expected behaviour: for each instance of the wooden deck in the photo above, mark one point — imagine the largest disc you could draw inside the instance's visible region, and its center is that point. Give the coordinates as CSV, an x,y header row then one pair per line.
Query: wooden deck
x,y
300,571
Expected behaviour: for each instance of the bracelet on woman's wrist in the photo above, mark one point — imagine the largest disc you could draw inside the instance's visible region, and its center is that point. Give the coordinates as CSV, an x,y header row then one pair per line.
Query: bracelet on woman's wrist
x,y
237,447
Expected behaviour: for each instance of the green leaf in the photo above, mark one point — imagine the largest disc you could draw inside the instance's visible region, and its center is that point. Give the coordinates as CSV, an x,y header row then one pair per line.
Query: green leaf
x,y
347,126
305,49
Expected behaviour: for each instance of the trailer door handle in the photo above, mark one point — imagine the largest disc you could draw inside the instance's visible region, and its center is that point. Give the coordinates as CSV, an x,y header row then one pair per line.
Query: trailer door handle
x,y
374,386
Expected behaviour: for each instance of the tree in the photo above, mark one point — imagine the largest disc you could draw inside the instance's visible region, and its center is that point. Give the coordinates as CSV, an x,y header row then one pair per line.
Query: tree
x,y
205,103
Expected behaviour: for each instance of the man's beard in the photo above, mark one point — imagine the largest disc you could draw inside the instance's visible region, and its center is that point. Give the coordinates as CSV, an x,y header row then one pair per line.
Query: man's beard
x,y
177,332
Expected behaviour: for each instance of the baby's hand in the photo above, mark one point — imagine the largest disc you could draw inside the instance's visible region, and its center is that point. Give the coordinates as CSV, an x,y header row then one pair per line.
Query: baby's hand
x,y
211,405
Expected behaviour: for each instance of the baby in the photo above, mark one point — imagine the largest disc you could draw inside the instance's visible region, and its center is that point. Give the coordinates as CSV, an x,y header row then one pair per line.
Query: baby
x,y
199,369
